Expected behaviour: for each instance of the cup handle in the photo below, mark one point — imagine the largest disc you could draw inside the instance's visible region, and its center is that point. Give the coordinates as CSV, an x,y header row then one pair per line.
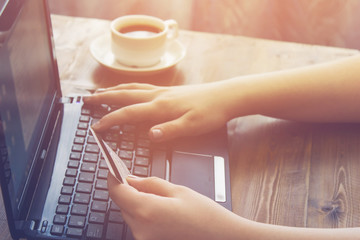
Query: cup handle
x,y
173,31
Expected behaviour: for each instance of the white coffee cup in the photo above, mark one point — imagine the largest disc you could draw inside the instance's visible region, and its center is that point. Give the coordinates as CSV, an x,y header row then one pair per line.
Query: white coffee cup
x,y
140,40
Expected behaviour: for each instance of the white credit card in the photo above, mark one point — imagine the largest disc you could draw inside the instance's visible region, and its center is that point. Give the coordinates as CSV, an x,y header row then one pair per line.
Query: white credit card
x,y
116,166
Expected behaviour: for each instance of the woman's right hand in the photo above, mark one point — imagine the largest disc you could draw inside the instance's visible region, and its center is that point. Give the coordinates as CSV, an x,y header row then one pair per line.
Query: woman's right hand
x,y
172,111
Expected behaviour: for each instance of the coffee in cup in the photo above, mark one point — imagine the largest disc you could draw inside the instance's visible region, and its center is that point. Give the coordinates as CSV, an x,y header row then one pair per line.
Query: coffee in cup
x,y
140,40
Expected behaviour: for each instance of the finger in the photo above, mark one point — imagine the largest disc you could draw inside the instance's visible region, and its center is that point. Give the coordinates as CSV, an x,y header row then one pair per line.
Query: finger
x,y
172,129
125,196
153,185
189,124
131,86
134,114
127,86
120,97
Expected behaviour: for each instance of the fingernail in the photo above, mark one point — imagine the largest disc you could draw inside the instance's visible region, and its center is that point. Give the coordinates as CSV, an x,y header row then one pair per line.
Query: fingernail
x,y
96,125
157,133
100,90
132,176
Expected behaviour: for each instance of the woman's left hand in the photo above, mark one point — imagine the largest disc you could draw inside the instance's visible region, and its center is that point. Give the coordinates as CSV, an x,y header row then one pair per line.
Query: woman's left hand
x,y
157,209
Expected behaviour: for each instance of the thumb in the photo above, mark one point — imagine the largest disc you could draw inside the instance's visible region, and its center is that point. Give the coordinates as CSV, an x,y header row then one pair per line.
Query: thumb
x,y
152,185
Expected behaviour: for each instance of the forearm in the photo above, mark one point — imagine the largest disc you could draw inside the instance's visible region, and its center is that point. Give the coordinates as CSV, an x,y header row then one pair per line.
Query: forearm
x,y
322,92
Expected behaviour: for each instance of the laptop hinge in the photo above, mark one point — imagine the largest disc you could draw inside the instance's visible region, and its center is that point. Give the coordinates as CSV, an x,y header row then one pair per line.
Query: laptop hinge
x,y
26,228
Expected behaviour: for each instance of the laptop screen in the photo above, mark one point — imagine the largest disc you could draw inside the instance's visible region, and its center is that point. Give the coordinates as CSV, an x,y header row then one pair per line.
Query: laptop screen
x,y
27,91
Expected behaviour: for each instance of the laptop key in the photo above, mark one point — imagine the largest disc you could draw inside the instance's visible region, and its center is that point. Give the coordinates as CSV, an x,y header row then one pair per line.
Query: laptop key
x,y
111,137
81,133
114,231
103,164
101,195
102,173
86,177
91,139
59,219
88,167
62,209
74,232
73,164
90,157
140,171
67,190
115,216
112,145
79,140
128,164
79,209
71,172
101,184
64,199
82,198
83,125
94,231
57,230
124,154
92,148
144,152
69,181
85,111
126,145
97,217
75,156
99,206
84,187
142,161
84,118
77,148
77,221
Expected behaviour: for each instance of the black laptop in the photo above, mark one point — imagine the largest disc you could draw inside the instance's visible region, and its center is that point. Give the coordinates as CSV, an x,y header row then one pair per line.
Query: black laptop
x,y
53,176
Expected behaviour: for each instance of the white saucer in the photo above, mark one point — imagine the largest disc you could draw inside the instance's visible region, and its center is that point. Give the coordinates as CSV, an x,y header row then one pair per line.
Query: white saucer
x,y
100,50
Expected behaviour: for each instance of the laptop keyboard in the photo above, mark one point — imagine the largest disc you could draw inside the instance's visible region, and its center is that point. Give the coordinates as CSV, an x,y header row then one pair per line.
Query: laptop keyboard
x,y
84,208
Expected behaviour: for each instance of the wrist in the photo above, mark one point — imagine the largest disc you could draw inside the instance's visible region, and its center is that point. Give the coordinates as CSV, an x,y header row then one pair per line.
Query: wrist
x,y
237,98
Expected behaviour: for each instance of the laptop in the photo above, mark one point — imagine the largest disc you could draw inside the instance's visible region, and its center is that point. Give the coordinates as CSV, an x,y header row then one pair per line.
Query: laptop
x,y
53,176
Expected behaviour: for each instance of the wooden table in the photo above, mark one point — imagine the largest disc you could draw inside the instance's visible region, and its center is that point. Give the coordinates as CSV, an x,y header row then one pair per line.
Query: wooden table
x,y
282,172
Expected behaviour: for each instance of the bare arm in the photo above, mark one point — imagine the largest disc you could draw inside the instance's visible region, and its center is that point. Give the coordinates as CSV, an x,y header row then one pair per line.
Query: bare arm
x,y
322,92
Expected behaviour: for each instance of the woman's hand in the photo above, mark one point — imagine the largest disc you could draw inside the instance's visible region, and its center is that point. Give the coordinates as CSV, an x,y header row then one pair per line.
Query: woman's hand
x,y
173,111
157,209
